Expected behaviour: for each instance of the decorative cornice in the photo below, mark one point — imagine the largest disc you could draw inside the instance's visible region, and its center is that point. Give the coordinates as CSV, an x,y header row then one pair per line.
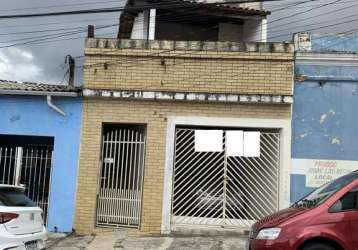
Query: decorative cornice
x,y
187,96
107,43
327,59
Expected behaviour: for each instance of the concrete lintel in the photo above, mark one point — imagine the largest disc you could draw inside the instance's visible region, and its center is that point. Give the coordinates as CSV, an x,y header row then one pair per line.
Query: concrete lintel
x,y
181,96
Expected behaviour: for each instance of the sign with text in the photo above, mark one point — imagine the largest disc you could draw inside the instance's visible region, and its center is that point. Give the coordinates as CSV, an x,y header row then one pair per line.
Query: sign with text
x,y
319,172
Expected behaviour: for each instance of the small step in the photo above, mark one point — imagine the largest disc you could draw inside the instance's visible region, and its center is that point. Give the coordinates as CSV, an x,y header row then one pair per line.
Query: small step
x,y
209,231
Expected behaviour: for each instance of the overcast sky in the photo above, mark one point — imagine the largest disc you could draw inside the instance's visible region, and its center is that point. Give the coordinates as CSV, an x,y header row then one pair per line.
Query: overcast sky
x,y
44,62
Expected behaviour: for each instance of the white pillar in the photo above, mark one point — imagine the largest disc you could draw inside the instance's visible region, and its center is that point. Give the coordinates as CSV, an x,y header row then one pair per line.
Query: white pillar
x,y
264,30
152,15
18,163
139,29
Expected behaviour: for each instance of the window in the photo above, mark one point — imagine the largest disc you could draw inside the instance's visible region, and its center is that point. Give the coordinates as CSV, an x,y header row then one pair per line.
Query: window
x,y
13,197
348,202
323,193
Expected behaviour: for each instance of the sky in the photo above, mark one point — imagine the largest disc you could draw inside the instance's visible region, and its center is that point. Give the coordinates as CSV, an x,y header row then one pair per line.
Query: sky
x,y
44,61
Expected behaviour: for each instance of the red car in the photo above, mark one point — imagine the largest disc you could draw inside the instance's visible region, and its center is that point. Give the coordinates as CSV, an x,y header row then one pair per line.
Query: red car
x,y
327,219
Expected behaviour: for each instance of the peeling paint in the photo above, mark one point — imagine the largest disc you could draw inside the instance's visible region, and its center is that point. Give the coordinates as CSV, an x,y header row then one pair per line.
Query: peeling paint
x,y
336,141
332,112
303,135
323,118
15,118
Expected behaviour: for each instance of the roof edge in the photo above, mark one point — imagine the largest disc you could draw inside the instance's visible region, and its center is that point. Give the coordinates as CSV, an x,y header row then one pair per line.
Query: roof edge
x,y
38,93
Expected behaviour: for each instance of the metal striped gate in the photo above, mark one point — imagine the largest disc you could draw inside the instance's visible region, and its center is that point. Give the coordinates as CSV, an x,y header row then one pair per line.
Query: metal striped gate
x,y
30,167
119,198
216,187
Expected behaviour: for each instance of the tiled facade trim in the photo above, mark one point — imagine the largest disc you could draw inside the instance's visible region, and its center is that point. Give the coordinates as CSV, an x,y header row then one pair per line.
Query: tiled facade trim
x,y
106,43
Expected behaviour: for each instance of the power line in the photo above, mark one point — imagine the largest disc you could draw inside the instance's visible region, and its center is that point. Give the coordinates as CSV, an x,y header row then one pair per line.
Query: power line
x,y
304,12
313,24
55,23
38,31
62,5
293,5
44,38
296,14
308,6
319,15
321,27
80,30
119,9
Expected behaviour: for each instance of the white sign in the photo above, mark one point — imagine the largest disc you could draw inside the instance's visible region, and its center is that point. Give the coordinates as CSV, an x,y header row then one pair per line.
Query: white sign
x,y
240,143
235,143
208,140
108,160
252,144
319,172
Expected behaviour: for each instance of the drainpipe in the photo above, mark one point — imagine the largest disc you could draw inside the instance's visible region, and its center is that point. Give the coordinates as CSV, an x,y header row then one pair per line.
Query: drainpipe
x,y
53,106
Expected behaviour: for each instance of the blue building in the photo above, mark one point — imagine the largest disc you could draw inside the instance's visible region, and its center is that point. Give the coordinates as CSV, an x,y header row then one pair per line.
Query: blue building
x,y
40,127
325,113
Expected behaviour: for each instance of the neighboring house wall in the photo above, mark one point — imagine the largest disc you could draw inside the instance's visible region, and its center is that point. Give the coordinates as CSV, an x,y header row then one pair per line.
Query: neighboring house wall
x,y
30,115
119,74
324,138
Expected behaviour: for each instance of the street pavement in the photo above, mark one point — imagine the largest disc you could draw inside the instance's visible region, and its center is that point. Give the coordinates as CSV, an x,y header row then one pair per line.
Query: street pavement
x,y
116,242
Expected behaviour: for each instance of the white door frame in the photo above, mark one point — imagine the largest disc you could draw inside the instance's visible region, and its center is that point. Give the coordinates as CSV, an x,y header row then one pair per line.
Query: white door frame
x,y
284,125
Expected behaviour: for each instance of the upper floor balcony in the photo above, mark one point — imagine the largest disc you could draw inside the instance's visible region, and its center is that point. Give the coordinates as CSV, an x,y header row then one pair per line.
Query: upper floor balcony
x,y
172,59
182,20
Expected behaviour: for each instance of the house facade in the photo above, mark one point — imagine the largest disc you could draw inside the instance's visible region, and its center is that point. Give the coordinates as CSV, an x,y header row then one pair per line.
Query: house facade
x,y
180,130
324,143
39,146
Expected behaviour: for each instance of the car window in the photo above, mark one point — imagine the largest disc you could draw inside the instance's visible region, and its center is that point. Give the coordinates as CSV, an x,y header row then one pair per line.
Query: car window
x,y
322,193
349,201
12,197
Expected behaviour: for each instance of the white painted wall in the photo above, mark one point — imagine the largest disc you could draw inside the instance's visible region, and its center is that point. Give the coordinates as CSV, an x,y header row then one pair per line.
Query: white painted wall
x,y
144,25
138,31
255,31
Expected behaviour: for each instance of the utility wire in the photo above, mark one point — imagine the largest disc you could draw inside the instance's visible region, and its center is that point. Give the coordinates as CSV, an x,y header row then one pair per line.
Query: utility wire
x,y
296,14
313,24
305,7
80,30
55,23
48,37
318,15
62,5
293,5
119,9
321,27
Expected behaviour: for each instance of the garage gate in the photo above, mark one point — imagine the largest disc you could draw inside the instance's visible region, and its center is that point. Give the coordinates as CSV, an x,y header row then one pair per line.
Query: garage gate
x,y
225,177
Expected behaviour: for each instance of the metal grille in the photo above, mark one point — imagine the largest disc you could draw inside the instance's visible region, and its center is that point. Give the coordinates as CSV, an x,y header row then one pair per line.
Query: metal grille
x,y
119,199
36,175
31,167
212,188
8,162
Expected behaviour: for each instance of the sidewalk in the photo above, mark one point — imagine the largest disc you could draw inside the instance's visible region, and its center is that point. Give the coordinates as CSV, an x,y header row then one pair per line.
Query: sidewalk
x,y
114,241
